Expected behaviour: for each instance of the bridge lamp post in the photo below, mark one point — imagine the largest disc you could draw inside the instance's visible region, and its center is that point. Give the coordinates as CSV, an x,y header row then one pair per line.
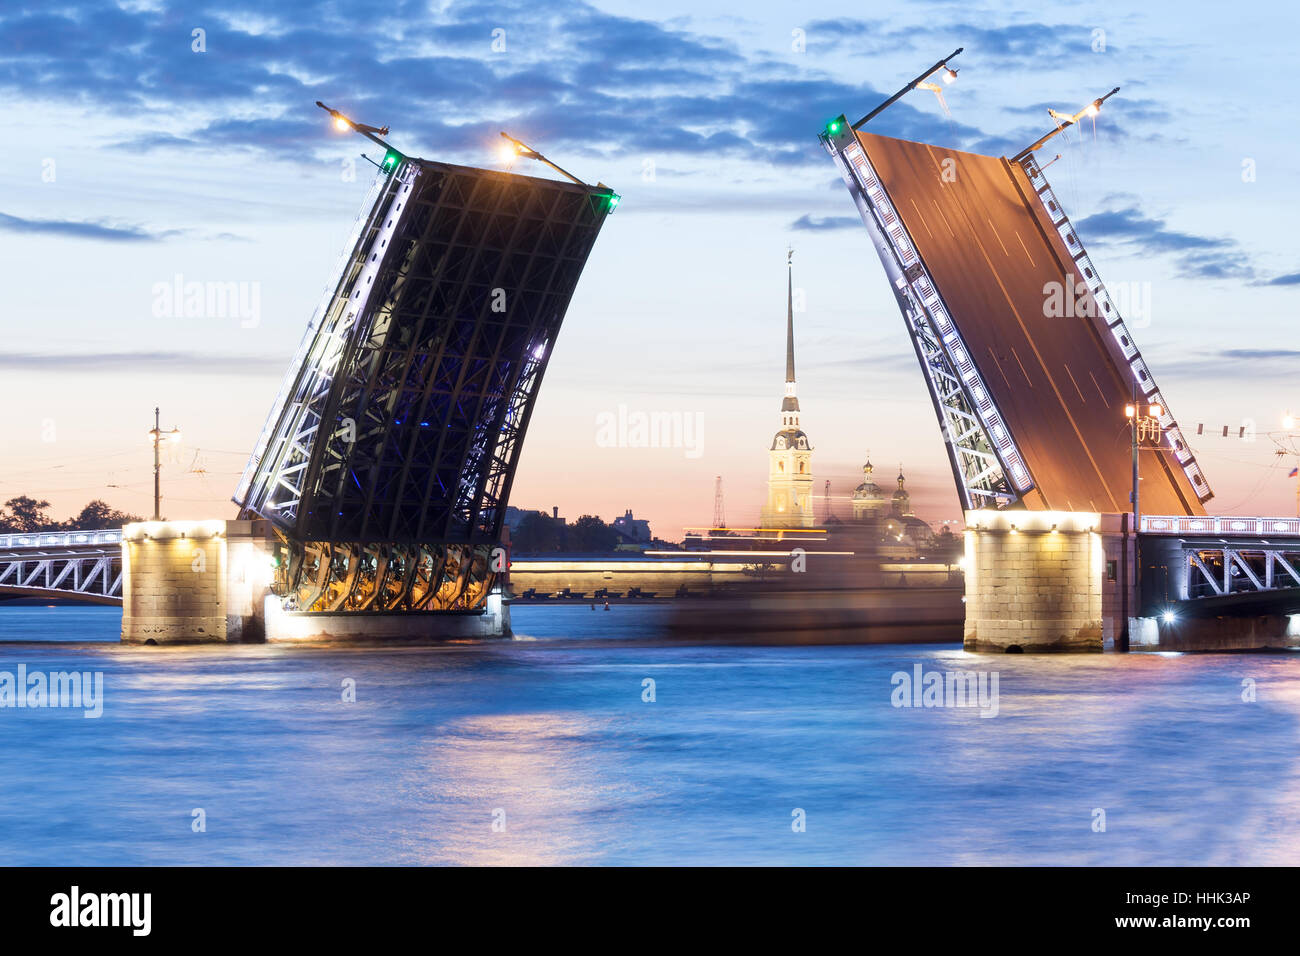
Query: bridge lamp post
x,y
1288,447
514,147
527,152
157,435
1139,427
1064,122
949,75
373,133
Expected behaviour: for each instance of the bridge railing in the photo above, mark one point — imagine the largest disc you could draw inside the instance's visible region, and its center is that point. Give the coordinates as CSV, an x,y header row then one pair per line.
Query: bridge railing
x,y
60,539
1220,525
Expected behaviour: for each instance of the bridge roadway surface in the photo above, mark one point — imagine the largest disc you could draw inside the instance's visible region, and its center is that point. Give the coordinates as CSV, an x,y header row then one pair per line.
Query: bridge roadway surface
x,y
1061,383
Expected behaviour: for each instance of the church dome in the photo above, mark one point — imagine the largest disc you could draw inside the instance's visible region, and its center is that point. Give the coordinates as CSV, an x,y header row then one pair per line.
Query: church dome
x,y
902,501
790,438
868,488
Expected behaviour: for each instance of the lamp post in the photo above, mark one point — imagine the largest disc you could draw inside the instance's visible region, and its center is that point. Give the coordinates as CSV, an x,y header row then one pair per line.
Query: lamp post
x,y
949,74
156,435
515,147
341,122
1139,425
519,148
1289,444
1064,122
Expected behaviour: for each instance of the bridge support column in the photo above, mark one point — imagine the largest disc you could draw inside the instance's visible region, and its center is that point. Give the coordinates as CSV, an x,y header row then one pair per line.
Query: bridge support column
x,y
1034,581
194,582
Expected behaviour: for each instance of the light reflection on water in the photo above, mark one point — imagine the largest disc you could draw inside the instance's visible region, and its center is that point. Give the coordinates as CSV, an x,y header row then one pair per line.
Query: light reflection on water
x,y
553,731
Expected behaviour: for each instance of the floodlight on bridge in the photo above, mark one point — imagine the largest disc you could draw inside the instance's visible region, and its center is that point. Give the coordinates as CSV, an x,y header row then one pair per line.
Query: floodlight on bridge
x,y
1064,121
342,122
949,75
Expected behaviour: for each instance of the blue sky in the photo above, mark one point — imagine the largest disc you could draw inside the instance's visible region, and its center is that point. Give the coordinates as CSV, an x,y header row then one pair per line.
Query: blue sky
x,y
130,159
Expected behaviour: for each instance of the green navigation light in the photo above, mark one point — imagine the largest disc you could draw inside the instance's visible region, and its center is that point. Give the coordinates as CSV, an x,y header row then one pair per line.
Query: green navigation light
x,y
613,202
834,127
391,159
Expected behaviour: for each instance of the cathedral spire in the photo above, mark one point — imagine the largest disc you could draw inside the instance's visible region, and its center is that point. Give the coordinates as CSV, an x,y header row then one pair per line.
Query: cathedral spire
x,y
789,316
790,404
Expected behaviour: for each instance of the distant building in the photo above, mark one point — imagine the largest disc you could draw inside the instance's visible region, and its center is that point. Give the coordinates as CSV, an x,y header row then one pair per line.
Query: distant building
x,y
880,523
889,521
633,530
789,473
515,515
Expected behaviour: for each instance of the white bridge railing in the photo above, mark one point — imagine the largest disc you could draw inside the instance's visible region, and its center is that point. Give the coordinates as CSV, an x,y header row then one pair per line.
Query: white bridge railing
x,y
60,539
1220,525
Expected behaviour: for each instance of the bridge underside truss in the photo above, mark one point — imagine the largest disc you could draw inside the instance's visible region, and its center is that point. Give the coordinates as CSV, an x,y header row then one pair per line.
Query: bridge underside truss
x,y
89,575
337,577
387,460
1217,572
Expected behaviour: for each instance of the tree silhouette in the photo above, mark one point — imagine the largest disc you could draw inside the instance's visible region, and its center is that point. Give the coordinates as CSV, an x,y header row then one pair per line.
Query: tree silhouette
x,y
25,515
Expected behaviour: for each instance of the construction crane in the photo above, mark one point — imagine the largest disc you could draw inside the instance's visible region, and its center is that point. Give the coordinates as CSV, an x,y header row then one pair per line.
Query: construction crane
x,y
719,514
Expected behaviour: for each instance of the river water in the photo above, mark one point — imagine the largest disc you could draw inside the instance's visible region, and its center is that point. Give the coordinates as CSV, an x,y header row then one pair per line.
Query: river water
x,y
543,750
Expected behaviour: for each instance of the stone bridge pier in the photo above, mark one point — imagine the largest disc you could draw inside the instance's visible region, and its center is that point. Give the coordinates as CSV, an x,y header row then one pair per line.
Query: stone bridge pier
x,y
1039,581
1063,581
193,582
198,582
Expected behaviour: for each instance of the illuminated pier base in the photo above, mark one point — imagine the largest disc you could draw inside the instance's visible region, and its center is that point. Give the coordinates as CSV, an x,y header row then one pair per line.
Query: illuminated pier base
x,y
194,582
1036,581
1221,633
197,582
413,626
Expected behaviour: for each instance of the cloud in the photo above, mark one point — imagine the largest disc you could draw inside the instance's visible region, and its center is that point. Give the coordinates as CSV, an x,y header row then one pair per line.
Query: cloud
x,y
1258,354
180,363
808,223
1196,256
1013,44
1271,365
1291,278
77,230
570,76
104,231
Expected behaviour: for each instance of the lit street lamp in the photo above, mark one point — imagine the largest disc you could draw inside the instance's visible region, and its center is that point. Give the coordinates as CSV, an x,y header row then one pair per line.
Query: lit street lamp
x,y
949,74
156,435
1289,444
1141,427
1064,121
373,133
519,148
514,147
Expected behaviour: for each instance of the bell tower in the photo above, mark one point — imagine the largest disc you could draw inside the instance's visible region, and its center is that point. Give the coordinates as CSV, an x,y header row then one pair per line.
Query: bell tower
x,y
789,474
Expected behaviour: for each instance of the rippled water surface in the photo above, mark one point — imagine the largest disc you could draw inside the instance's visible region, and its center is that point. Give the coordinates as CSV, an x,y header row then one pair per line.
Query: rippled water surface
x,y
550,732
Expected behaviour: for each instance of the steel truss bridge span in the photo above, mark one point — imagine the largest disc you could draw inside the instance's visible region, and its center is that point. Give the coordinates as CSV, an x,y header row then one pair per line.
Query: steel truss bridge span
x,y
85,565
387,458
1221,565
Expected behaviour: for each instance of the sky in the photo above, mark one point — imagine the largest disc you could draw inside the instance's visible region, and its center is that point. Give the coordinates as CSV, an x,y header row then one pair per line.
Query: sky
x,y
150,143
